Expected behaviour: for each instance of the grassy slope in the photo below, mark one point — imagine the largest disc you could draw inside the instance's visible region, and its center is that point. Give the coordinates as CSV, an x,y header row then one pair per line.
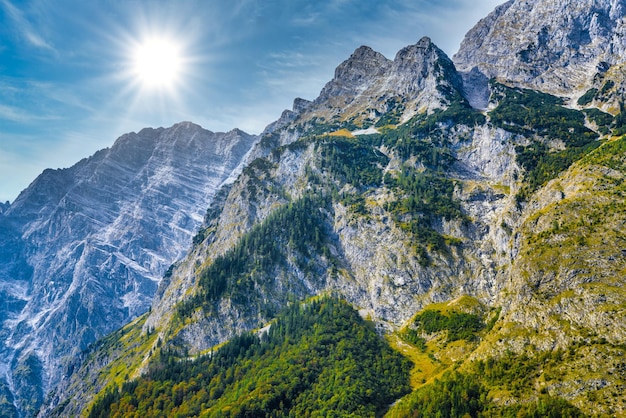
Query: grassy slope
x,y
563,336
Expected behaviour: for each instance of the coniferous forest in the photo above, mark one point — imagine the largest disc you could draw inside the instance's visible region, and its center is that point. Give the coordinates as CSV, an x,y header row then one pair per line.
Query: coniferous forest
x,y
317,359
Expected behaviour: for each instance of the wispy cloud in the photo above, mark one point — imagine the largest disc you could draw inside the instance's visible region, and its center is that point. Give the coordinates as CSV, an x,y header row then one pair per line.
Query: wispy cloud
x,y
28,101
15,114
290,59
24,28
309,20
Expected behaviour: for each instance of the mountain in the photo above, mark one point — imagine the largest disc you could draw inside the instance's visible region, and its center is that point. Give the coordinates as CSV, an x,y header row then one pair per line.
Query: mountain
x,y
471,210
554,46
367,85
84,249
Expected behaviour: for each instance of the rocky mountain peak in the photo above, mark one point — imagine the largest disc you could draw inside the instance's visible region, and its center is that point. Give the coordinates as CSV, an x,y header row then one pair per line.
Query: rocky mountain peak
x,y
415,63
300,104
186,127
89,244
368,86
361,68
556,46
409,54
361,63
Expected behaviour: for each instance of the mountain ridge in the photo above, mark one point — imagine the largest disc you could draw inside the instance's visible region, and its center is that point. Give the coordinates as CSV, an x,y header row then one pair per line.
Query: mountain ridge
x,y
554,46
97,238
498,210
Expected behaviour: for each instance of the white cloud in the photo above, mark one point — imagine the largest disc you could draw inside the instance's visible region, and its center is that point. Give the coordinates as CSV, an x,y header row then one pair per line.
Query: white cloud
x,y
24,28
15,114
308,20
29,101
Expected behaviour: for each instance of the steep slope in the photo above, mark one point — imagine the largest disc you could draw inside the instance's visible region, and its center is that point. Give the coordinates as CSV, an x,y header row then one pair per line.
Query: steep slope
x,y
554,46
86,247
559,331
299,221
567,287
485,244
349,371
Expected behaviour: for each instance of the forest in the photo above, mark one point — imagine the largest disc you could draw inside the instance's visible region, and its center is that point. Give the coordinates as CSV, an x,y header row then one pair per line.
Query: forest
x,y
545,118
297,228
464,395
318,358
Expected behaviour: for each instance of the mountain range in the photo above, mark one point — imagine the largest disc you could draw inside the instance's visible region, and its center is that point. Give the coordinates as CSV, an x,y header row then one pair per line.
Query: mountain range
x,y
461,218
85,248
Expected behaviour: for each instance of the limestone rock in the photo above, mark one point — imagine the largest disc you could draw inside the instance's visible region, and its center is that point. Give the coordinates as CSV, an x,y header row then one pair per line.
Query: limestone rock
x,y
85,248
553,46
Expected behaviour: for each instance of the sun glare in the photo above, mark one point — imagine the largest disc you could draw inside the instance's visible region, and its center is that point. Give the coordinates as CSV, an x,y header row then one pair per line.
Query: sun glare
x,y
157,63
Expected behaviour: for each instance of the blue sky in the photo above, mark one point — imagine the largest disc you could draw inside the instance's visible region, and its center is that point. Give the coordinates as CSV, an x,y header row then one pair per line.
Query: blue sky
x,y
68,85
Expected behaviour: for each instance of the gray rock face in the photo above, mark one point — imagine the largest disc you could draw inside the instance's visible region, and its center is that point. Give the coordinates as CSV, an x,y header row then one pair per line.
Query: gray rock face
x,y
83,249
355,74
383,276
554,46
367,85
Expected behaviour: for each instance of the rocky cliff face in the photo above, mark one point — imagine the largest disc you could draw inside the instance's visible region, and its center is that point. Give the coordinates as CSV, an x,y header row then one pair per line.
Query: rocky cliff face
x,y
421,78
85,248
391,191
555,46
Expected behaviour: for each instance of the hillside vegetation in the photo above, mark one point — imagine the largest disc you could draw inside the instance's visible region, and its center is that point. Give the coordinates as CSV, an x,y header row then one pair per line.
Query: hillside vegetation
x,y
316,359
321,358
415,258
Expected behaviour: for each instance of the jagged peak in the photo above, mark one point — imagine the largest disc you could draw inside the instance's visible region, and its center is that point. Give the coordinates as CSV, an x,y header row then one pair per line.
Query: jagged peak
x,y
421,46
364,63
365,83
184,128
144,132
365,52
300,104
236,132
186,125
365,66
555,46
423,54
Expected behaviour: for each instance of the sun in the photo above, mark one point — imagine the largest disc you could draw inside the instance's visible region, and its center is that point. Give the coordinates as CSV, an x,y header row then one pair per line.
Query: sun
x,y
157,63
